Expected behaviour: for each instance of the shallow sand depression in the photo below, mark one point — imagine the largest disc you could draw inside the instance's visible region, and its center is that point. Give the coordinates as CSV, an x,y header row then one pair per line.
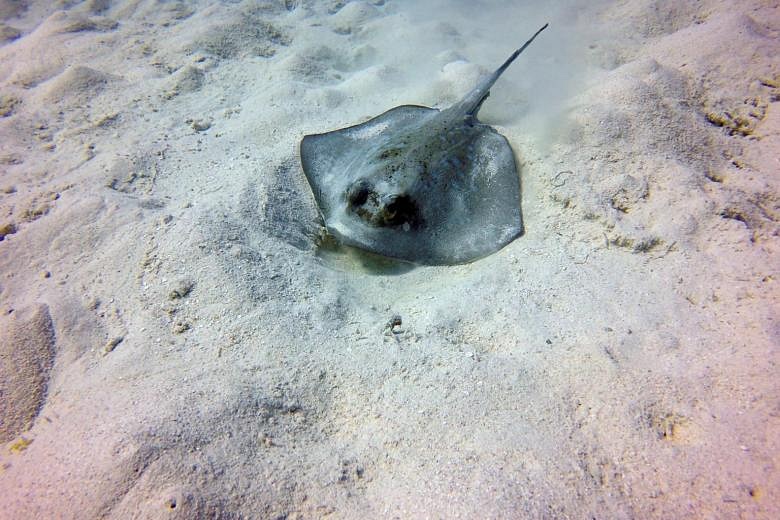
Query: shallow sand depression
x,y
177,339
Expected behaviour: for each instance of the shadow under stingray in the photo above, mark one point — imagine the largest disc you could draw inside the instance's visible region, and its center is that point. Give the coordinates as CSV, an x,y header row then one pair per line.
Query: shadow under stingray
x,y
345,258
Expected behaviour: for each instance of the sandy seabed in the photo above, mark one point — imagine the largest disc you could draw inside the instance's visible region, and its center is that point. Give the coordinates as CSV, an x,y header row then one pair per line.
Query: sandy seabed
x,y
177,342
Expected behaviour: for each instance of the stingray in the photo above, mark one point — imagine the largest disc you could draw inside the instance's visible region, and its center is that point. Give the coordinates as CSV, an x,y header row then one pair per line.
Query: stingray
x,y
428,186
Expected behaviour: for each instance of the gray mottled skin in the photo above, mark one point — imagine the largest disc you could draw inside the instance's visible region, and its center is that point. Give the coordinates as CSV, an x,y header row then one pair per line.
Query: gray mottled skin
x,y
418,184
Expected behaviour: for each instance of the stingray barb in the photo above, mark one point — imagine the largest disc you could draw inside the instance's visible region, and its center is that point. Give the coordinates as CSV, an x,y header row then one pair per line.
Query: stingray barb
x,y
419,184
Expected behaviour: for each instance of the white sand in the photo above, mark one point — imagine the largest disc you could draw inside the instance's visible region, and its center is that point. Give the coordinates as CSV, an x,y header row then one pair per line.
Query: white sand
x,y
174,345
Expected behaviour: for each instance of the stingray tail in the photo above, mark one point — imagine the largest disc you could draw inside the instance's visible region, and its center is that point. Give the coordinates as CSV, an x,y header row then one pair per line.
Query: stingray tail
x,y
471,104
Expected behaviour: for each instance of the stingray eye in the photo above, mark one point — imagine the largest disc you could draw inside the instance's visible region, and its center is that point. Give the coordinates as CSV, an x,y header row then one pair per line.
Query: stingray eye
x,y
357,194
399,210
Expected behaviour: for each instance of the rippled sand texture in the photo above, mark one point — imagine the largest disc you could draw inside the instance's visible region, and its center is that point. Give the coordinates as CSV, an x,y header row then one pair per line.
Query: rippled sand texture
x,y
176,341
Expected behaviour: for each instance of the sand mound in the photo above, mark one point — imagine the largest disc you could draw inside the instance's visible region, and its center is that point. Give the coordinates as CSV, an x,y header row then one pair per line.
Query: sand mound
x,y
41,55
77,85
26,357
186,80
65,22
245,34
352,17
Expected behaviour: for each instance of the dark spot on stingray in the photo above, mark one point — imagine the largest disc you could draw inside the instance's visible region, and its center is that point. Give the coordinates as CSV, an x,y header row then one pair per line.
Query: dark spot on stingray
x,y
419,184
390,152
358,194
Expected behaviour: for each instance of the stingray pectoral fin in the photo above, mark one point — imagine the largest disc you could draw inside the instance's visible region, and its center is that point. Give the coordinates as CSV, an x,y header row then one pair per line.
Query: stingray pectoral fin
x,y
331,160
318,164
391,122
315,146
488,214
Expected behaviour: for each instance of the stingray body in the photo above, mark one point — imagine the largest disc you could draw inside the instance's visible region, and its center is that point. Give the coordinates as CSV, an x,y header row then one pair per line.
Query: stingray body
x,y
418,184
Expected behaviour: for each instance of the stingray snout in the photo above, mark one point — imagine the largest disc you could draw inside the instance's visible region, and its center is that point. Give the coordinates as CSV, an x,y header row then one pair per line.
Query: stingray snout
x,y
382,209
